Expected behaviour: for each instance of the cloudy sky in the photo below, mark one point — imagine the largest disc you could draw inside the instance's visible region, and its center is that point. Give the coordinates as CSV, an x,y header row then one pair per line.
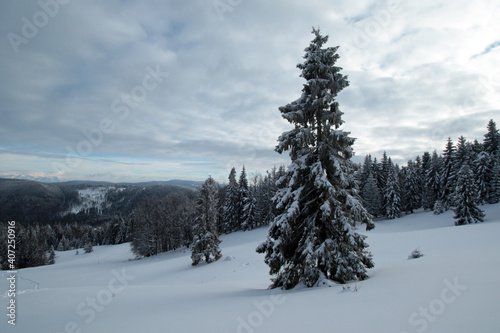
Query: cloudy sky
x,y
125,90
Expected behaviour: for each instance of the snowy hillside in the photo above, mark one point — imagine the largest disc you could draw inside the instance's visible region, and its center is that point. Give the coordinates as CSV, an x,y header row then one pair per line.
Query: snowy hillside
x,y
92,198
452,288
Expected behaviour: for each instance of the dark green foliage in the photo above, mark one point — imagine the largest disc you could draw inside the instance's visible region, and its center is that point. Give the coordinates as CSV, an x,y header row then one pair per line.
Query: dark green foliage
x,y
466,208
206,238
29,201
313,236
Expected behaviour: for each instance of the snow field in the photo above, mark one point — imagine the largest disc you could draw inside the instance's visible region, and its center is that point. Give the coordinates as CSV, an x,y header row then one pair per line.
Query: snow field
x,y
452,288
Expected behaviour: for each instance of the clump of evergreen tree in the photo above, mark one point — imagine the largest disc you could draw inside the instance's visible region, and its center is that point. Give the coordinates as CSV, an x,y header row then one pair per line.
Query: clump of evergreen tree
x,y
392,197
372,198
448,175
466,195
231,208
88,248
314,236
206,238
51,256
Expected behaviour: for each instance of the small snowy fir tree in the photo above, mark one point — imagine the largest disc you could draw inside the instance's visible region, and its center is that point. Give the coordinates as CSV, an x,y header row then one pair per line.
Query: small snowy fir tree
x,y
242,197
482,175
466,209
491,147
495,182
314,236
448,175
392,197
413,188
438,207
432,182
51,256
88,248
415,254
230,211
372,199
206,239
249,211
491,143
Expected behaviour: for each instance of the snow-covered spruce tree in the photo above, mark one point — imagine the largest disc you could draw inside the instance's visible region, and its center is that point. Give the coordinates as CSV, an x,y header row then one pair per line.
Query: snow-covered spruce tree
x,y
491,146
392,194
206,239
51,256
372,198
463,154
249,217
432,182
366,170
491,142
313,237
88,248
263,195
448,175
481,174
230,210
495,181
242,197
466,209
413,188
383,173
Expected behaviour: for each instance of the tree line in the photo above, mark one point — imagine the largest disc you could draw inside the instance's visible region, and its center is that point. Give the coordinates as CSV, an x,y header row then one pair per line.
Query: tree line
x,y
159,223
465,172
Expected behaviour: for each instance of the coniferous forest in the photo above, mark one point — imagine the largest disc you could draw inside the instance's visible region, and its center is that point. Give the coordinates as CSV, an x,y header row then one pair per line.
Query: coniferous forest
x,y
312,207
462,172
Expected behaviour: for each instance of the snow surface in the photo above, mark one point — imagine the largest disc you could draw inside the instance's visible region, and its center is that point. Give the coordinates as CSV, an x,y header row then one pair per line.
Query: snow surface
x,y
452,288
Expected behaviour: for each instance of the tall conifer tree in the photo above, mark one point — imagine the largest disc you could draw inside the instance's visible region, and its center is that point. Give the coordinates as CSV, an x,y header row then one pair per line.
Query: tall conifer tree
x,y
448,175
392,196
314,236
206,239
230,211
372,198
466,209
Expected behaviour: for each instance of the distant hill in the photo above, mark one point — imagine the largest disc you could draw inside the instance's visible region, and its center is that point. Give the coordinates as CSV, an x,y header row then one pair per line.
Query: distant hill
x,y
186,183
83,182
28,201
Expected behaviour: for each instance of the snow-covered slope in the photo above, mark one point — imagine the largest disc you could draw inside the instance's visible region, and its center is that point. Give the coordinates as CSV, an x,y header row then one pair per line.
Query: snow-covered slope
x,y
91,198
452,288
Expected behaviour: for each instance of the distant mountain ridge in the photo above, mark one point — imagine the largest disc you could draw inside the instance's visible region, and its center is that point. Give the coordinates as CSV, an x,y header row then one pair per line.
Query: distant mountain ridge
x,y
29,201
179,182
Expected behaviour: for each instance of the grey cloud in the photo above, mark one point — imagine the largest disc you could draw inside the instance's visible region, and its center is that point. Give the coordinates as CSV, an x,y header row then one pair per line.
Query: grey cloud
x,y
227,78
